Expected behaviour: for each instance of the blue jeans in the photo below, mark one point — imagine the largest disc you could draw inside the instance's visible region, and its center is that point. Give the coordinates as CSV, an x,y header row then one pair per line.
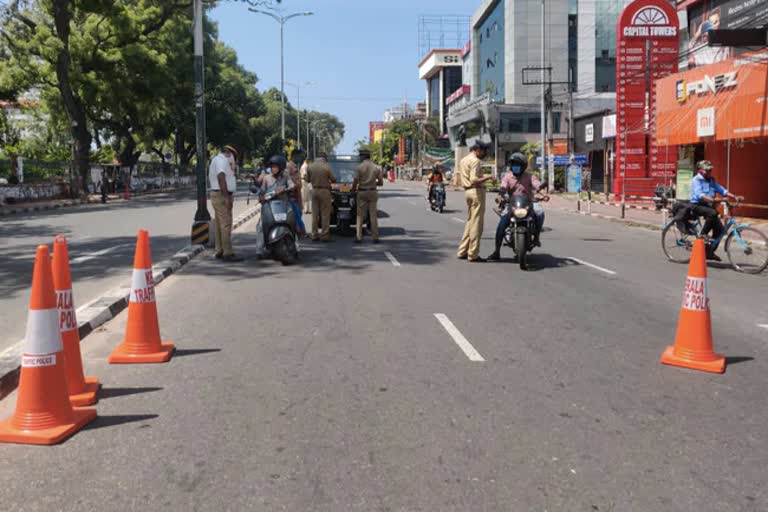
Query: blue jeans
x,y
298,213
505,220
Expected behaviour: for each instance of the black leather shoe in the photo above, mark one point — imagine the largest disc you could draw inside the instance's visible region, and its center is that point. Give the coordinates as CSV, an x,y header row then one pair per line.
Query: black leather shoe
x,y
218,255
376,241
232,259
494,256
478,260
463,257
714,257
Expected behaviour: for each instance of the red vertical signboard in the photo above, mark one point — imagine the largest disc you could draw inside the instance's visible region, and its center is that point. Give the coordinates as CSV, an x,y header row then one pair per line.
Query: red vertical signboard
x,y
646,50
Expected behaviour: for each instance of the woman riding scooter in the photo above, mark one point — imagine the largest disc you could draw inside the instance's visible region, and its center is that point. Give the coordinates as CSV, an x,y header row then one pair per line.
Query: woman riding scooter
x,y
278,179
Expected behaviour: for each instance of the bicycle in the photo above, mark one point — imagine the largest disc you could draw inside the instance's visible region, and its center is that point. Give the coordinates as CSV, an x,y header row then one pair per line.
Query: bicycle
x,y
747,254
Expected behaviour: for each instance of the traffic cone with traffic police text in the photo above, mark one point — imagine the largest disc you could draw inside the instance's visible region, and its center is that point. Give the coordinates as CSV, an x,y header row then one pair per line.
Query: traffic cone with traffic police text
x,y
82,390
693,344
142,342
44,413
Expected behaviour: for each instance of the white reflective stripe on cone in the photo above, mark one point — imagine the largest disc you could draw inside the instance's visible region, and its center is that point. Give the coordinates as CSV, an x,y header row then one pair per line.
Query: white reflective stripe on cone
x,y
43,336
66,306
142,286
38,361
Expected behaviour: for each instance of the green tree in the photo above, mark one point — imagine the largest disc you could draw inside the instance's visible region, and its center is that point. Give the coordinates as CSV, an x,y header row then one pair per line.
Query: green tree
x,y
72,46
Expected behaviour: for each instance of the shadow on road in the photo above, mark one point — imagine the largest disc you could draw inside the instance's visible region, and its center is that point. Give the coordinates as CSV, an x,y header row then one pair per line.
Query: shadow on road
x,y
738,359
117,392
183,352
115,420
16,263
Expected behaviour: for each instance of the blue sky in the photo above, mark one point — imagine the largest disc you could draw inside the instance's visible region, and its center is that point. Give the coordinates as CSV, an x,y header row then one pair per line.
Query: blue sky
x,y
363,54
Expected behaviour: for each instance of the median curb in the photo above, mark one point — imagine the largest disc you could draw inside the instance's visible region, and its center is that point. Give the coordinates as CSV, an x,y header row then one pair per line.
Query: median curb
x,y
97,312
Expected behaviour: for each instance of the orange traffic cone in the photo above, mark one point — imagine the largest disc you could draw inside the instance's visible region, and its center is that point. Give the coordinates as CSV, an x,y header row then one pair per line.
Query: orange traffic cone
x,y
82,390
693,343
44,414
142,334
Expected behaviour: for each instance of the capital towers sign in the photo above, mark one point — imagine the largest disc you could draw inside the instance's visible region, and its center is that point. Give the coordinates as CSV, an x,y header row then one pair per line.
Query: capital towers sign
x,y
646,50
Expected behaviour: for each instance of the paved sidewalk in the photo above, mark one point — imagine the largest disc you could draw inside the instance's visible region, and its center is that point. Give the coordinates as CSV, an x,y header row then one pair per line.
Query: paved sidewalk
x,y
635,213
36,206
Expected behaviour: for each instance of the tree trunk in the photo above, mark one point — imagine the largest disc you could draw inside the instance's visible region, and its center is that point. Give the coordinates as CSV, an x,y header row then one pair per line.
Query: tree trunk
x,y
81,137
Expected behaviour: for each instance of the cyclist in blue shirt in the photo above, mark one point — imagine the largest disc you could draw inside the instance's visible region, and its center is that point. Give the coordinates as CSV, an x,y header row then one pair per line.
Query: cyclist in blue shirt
x,y
704,191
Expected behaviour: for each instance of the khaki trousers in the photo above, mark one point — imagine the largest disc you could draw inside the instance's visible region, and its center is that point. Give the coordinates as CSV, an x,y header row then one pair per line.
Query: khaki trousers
x,y
306,197
321,213
367,202
473,231
222,223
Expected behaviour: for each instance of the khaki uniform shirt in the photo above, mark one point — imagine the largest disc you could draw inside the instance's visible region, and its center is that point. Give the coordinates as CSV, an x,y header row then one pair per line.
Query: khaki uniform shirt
x,y
470,170
368,175
320,175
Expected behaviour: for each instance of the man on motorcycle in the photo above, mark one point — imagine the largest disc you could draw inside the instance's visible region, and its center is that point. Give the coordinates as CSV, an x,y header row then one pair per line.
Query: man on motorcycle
x,y
518,181
704,190
278,179
435,177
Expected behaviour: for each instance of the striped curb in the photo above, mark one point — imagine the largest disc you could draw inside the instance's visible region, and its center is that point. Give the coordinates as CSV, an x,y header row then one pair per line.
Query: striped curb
x,y
629,222
96,313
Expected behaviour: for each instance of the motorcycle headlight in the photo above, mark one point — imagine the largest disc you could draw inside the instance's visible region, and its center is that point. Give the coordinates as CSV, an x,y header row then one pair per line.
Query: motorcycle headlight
x,y
520,213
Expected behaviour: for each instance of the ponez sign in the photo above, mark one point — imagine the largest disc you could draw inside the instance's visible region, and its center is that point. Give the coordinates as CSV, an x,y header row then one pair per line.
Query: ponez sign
x,y
708,84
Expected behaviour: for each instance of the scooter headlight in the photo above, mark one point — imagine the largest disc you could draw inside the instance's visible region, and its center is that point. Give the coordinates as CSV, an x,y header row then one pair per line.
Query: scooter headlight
x,y
520,213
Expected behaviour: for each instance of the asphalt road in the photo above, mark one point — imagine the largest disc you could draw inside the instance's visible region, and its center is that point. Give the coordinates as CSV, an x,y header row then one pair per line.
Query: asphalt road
x,y
101,243
333,386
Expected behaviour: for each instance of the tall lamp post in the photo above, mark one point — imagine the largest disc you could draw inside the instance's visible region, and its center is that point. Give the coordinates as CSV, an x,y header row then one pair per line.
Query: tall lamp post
x,y
282,20
200,226
298,107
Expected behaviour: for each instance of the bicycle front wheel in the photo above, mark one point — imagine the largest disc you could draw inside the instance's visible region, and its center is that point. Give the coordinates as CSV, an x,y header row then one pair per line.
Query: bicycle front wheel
x,y
676,244
747,250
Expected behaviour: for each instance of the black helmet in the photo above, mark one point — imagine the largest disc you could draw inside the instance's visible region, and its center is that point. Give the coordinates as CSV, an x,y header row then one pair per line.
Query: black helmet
x,y
518,160
279,161
705,165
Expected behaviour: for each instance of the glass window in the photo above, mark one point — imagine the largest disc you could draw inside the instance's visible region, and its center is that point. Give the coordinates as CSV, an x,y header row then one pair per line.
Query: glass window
x,y
606,15
434,95
491,55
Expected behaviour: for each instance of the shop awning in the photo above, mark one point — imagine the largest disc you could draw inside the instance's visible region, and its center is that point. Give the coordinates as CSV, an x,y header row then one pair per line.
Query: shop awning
x,y
721,101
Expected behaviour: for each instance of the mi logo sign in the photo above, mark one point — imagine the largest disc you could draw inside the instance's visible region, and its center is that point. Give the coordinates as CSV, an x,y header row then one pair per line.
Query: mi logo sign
x,y
705,122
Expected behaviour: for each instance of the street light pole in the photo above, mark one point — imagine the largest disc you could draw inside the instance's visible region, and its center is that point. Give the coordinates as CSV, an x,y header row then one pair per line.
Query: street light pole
x,y
200,226
282,20
298,109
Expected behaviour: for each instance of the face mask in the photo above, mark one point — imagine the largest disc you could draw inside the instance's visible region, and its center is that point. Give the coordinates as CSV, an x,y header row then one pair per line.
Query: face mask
x,y
517,170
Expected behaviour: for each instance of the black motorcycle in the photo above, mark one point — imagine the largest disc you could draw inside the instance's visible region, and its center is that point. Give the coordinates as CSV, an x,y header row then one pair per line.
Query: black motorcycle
x,y
437,199
522,226
278,222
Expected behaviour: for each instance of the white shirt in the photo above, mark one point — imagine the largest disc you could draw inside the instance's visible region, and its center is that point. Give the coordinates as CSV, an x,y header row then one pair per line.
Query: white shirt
x,y
219,165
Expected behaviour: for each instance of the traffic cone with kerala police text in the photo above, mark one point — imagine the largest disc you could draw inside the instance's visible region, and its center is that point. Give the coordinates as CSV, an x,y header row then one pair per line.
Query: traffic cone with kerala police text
x,y
44,413
142,342
82,390
693,344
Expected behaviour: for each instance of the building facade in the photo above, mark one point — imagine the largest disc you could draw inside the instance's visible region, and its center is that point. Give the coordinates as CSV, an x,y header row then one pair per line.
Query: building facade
x,y
441,70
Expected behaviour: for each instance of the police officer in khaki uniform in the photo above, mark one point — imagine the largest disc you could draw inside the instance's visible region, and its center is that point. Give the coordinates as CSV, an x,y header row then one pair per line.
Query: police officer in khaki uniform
x,y
472,180
320,176
367,178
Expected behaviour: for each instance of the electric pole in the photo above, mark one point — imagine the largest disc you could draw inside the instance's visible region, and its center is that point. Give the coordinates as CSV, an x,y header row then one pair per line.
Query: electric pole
x,y
201,224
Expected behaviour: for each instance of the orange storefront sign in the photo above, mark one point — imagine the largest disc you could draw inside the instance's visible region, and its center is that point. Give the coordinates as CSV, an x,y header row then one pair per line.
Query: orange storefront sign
x,y
721,101
558,147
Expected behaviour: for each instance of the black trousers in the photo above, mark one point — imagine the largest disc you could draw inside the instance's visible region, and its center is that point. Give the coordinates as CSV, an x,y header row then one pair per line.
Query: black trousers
x,y
711,221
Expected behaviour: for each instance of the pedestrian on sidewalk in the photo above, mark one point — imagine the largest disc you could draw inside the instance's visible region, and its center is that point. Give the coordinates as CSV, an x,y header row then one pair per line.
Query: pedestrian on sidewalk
x,y
473,182
221,175
367,178
306,188
320,175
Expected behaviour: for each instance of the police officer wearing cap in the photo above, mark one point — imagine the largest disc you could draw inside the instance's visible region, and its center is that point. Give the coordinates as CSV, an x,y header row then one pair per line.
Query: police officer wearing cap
x,y
472,180
367,178
223,184
320,176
